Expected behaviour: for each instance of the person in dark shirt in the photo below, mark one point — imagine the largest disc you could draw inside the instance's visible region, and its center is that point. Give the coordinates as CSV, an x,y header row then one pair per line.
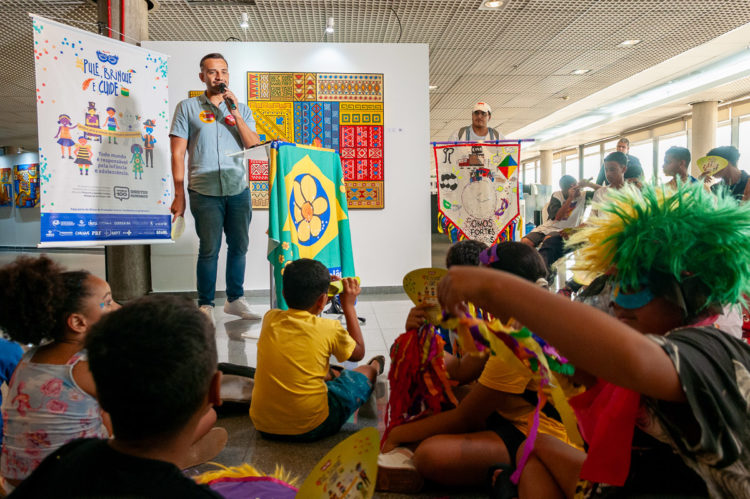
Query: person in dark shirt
x,y
634,170
154,363
732,178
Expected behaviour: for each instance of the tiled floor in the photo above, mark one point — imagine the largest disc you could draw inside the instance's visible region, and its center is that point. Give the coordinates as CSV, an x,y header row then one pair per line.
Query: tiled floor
x,y
236,338
384,320
384,315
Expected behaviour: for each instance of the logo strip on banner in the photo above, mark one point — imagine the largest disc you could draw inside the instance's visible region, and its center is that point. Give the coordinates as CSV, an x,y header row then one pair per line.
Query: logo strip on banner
x,y
103,125
477,186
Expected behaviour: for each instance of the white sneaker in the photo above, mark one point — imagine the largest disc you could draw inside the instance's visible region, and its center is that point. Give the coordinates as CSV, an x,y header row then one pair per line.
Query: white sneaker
x,y
208,310
397,473
241,308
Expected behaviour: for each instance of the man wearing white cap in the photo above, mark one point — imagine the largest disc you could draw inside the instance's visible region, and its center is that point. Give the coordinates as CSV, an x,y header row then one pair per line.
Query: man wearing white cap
x,y
478,130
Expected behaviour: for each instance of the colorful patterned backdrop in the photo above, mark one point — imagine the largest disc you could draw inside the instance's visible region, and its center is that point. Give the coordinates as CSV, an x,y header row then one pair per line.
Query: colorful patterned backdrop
x,y
342,111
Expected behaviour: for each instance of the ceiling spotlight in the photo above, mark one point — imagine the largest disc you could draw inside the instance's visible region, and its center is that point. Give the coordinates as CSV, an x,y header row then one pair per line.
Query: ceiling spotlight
x,y
329,25
244,21
493,4
579,71
628,43
433,87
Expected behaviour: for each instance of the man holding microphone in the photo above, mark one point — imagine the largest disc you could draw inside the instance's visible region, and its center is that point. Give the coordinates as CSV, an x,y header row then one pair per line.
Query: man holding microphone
x,y
209,127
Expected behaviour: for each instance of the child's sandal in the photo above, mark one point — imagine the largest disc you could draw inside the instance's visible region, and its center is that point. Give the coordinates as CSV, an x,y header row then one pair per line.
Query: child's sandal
x,y
381,362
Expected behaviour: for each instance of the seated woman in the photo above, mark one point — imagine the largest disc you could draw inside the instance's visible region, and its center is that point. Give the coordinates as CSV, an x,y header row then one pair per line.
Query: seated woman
x,y
669,414
459,446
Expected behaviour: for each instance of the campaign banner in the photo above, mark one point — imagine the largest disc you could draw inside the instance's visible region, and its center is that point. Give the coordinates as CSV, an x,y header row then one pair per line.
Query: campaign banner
x,y
104,164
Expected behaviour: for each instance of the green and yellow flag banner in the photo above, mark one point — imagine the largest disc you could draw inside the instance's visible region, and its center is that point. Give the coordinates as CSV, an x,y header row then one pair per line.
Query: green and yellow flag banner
x,y
308,216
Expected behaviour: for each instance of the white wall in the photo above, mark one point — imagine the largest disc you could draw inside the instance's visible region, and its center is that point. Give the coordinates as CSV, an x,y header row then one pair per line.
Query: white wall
x,y
19,227
388,243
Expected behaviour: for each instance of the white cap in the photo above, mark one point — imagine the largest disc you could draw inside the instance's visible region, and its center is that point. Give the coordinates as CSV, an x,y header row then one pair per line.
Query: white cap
x,y
482,106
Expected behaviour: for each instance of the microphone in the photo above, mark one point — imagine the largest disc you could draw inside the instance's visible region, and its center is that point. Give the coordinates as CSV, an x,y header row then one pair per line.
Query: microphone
x,y
230,103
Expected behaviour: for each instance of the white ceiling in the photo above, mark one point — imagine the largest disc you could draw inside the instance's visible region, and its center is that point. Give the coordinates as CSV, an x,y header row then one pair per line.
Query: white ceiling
x,y
518,58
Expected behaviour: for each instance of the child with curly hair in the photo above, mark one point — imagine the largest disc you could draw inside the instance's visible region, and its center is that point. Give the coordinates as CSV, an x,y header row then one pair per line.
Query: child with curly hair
x,y
51,396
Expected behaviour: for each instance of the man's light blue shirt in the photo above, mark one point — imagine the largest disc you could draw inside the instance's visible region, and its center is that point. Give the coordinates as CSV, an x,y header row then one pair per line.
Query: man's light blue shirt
x,y
210,171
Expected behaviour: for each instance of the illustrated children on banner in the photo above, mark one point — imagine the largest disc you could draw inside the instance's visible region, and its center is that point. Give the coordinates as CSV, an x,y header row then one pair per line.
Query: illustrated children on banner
x,y
83,155
112,125
137,161
63,132
91,119
148,142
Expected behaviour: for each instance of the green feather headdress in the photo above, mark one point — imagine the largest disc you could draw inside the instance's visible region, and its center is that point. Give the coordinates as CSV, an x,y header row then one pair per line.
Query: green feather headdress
x,y
686,232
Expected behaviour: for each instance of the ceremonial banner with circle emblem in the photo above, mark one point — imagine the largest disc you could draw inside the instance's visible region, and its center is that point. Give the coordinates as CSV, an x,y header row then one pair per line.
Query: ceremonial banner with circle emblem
x,y
478,190
308,216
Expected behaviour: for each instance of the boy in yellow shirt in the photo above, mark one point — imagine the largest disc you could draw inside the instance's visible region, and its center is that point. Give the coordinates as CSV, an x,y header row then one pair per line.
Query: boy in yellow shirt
x,y
292,399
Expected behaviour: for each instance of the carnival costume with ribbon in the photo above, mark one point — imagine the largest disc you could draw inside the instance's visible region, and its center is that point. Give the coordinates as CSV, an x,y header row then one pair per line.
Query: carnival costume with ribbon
x,y
419,381
683,244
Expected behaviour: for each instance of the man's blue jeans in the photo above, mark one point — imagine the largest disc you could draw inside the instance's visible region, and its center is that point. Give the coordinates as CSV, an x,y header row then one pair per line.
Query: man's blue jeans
x,y
212,214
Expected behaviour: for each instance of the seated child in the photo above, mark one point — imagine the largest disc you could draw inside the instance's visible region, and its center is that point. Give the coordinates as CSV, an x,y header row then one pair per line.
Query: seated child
x,y
732,179
292,401
669,414
565,210
458,446
51,394
677,165
154,364
464,252
615,165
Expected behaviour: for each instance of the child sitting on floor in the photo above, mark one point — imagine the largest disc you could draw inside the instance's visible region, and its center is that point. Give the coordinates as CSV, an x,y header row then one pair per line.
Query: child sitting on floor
x,y
51,395
669,415
154,364
458,446
464,252
292,401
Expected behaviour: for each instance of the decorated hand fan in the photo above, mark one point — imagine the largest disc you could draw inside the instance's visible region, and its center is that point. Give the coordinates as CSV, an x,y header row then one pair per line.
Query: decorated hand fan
x,y
349,470
178,227
711,164
421,285
336,287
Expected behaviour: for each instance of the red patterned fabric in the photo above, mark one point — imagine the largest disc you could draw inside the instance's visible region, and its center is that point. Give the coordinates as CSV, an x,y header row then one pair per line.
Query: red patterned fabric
x,y
362,152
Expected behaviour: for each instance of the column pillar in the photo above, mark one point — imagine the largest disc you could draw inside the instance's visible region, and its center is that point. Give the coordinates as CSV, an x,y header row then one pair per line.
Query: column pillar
x,y
545,167
703,137
125,17
128,267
